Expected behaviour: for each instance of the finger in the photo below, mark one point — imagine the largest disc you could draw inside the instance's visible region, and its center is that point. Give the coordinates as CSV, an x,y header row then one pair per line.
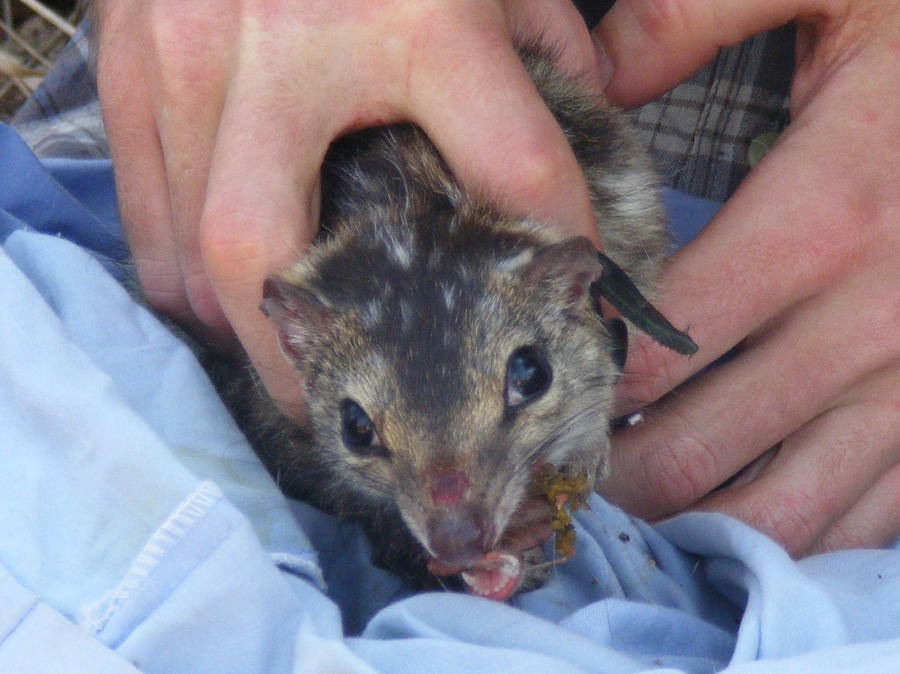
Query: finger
x,y
654,45
189,97
136,151
874,519
724,284
872,522
504,143
821,473
700,436
260,213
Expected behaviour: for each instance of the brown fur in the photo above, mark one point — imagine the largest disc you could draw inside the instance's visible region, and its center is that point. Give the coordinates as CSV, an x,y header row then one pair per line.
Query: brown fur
x,y
411,305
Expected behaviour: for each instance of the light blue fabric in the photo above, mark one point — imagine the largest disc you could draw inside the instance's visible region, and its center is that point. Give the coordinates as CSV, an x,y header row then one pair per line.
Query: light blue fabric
x,y
137,529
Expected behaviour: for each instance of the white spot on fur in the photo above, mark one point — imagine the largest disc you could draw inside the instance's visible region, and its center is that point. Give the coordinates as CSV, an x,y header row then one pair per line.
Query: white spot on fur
x,y
371,313
398,241
464,273
449,293
514,262
400,253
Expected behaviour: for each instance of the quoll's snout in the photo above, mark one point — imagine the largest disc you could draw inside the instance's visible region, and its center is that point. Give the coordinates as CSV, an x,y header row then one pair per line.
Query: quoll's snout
x,y
457,536
461,538
457,530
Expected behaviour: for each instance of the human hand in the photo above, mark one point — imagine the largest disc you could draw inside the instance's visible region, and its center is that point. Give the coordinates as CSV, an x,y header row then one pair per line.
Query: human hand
x,y
219,115
801,268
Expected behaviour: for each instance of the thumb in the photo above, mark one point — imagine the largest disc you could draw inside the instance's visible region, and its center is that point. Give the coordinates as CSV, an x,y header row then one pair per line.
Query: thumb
x,y
655,44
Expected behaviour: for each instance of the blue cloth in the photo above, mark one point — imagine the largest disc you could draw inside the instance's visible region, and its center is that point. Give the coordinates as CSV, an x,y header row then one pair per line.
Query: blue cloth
x,y
138,530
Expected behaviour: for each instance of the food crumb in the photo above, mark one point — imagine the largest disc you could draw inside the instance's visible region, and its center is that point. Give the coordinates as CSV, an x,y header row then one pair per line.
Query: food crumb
x,y
564,494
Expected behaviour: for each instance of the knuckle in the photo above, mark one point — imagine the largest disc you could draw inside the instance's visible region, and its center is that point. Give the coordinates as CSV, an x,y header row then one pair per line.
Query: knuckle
x,y
533,174
839,537
848,229
536,169
837,247
679,469
791,517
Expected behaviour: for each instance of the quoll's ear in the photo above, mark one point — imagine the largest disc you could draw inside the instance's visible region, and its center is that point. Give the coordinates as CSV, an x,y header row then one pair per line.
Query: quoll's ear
x,y
299,314
565,270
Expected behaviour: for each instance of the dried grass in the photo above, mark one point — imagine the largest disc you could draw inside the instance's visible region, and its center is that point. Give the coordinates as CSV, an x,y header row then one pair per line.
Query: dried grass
x,y
32,33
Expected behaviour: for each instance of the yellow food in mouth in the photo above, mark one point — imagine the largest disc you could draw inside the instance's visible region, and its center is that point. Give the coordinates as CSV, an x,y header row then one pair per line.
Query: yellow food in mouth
x,y
564,494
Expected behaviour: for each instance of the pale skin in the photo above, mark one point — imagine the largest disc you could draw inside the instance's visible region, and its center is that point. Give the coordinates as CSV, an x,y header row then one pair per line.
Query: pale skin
x,y
219,114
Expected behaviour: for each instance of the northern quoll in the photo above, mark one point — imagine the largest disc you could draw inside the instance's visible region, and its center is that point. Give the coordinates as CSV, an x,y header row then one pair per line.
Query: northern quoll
x,y
451,354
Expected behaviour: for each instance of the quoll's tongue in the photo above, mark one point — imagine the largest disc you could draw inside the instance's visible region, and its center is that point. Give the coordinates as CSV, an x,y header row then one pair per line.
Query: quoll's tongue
x,y
494,576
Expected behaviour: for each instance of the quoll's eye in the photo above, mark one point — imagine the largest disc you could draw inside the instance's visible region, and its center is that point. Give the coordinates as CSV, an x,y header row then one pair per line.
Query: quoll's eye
x,y
528,376
358,430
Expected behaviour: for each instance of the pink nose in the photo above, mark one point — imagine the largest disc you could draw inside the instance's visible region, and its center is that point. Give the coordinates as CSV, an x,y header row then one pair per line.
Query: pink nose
x,y
448,488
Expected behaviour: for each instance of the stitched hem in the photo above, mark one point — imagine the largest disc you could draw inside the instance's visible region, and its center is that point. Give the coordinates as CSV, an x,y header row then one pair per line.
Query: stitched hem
x,y
95,617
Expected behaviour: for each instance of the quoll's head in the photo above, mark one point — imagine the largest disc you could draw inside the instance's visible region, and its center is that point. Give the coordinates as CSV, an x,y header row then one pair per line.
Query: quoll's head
x,y
443,368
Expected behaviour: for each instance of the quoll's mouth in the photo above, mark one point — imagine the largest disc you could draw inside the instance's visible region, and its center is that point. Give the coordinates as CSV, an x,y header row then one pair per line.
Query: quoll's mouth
x,y
495,575
498,573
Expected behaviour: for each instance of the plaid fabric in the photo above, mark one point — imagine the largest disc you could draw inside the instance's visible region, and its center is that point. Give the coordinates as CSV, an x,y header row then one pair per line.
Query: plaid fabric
x,y
62,117
700,132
